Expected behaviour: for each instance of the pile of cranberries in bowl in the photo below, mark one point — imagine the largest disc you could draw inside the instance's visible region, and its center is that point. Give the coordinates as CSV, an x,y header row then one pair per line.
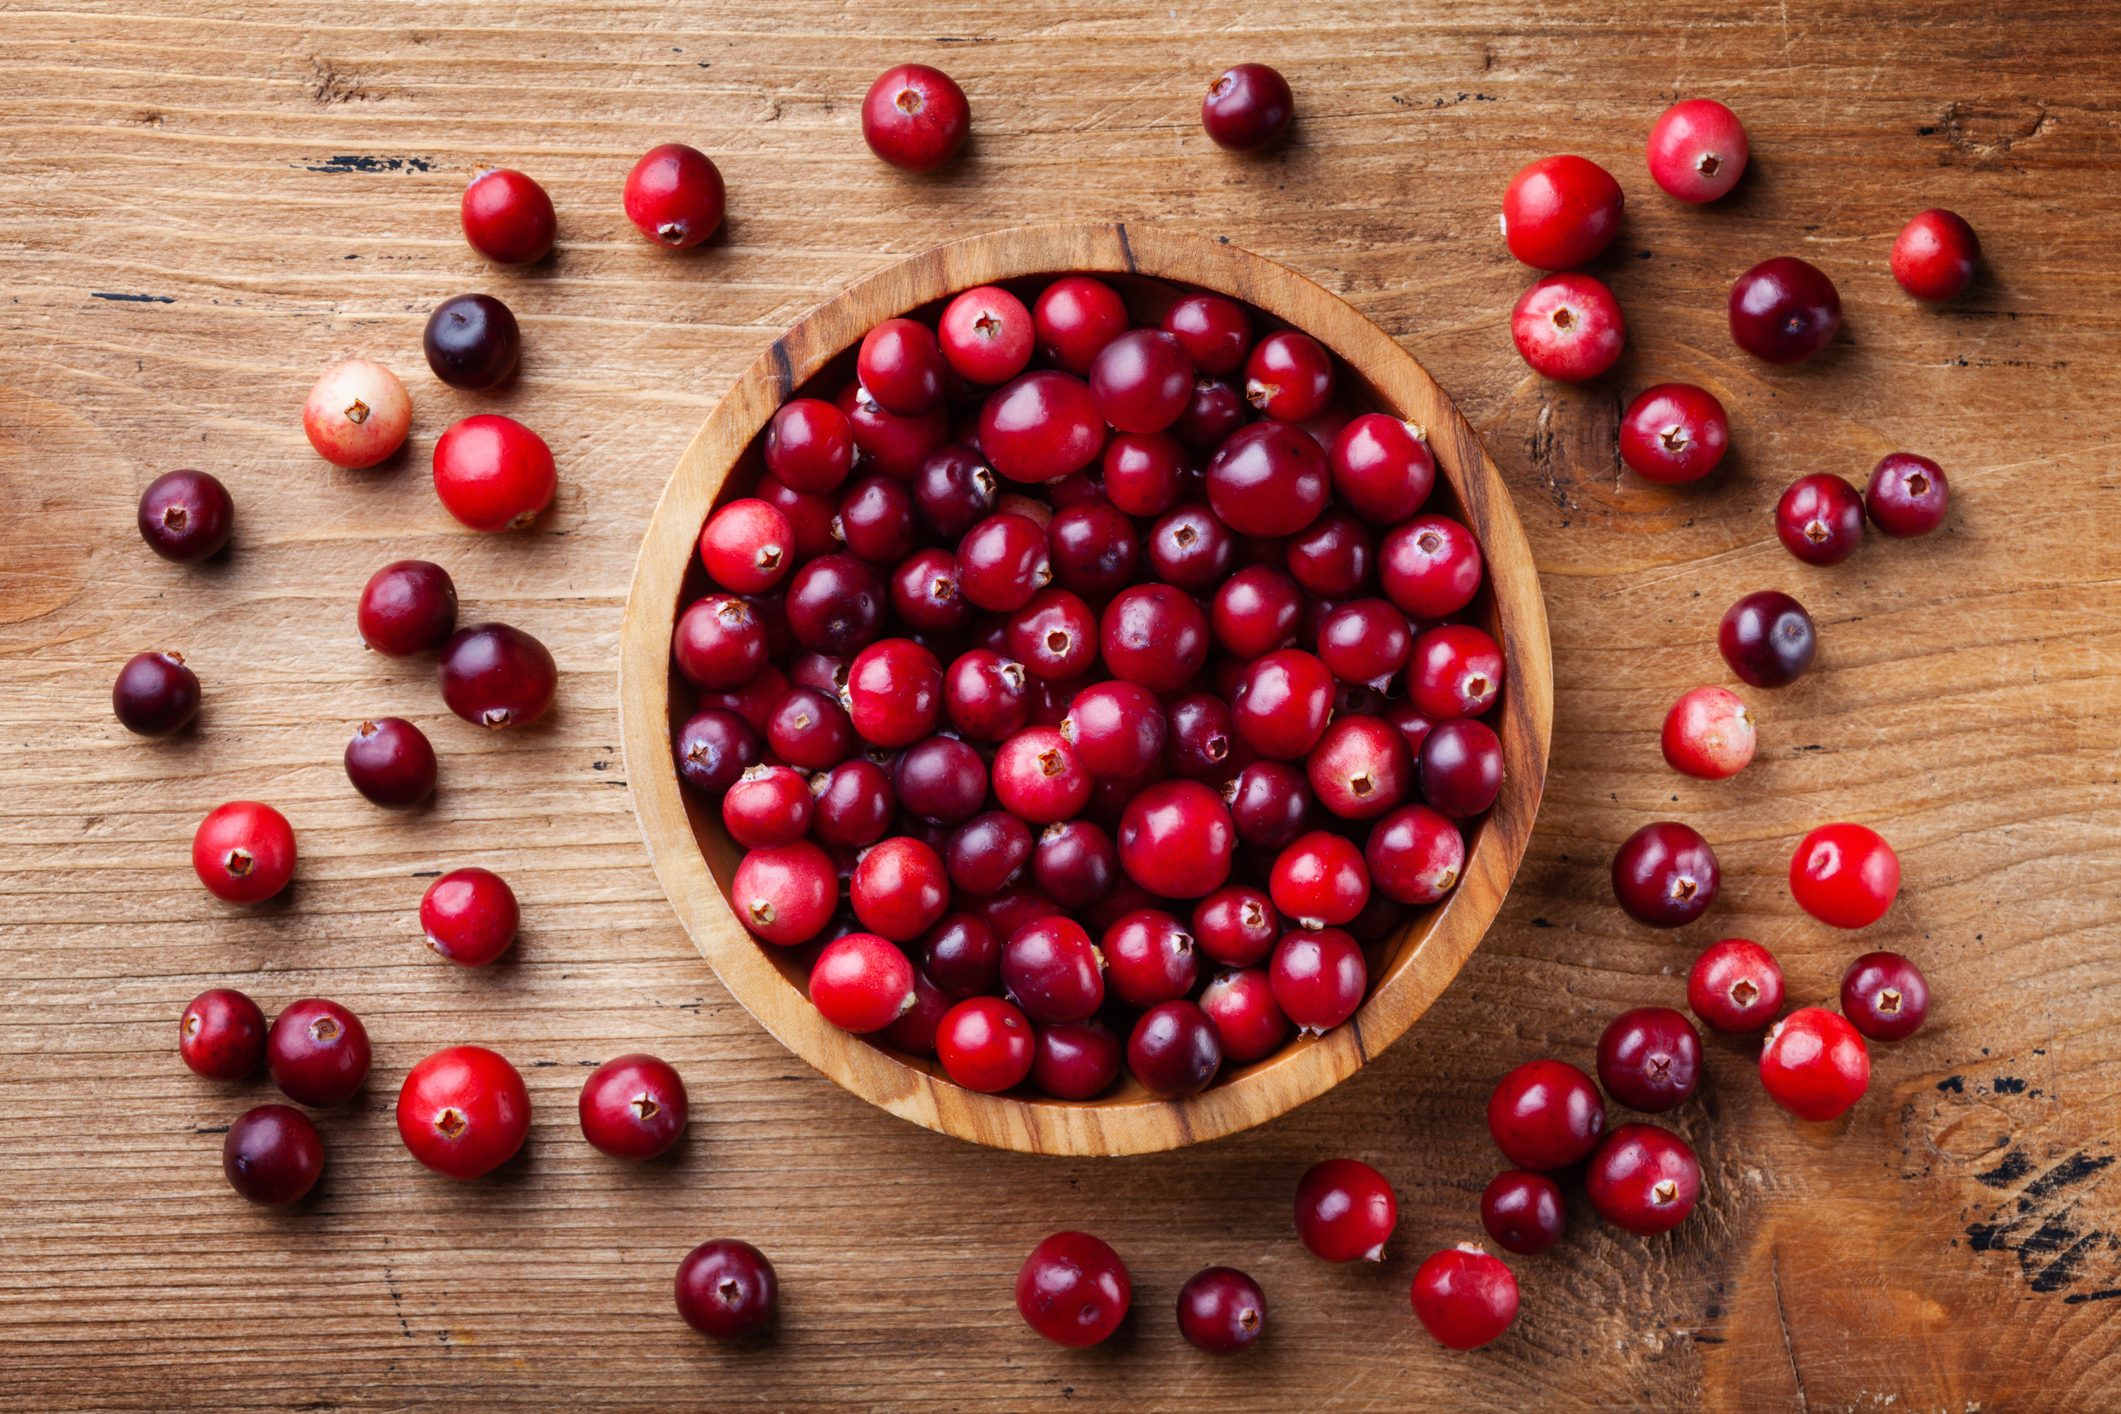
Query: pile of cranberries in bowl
x,y
1093,686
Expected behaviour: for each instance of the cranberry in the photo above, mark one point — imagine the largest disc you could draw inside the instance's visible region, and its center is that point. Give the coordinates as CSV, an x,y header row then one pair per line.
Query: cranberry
x,y
1411,723
1018,906
1364,641
1708,734
1318,977
727,1289
1934,255
1267,479
1545,1115
1560,212
222,1035
1820,519
1568,327
1907,495
1665,875
1142,380
1643,1179
809,514
984,694
1002,562
244,852
1075,863
1155,635
1464,1297
809,445
962,956
719,642
1345,1211
1216,412
1697,150
1735,986
493,473
1054,635
1649,1059
1200,741
836,604
1415,855
1289,377
1382,467
768,806
1248,1020
1076,1060
1038,776
470,916
1236,926
1360,768
463,1111
357,414
894,445
272,1155
861,983
408,606
186,516
1461,768
785,895
1767,638
1883,995
894,692
1268,803
1174,1051
1073,1289
318,1052
1845,875
1523,1212
747,546
899,889
1190,548
1320,879
1331,557
1117,728
1814,1064
915,117
1430,567
1247,107
1075,317
633,1107
985,1044
953,490
1176,840
986,335
155,694
390,761
901,366
674,195
941,780
1094,550
1221,1311
1257,611
1281,704
852,805
713,748
472,342
1144,474
1041,426
507,217
1215,332
497,676
1784,310
809,730
1150,958
1674,433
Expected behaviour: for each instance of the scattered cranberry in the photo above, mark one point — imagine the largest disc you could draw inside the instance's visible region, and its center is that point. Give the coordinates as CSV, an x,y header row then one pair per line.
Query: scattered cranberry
x,y
674,195
1934,255
1568,327
633,1107
1674,433
1545,1115
986,336
470,916
1883,995
186,516
1767,638
1784,310
408,606
1649,1059
495,676
1415,855
1845,875
1174,1051
1460,767
155,694
1429,566
1318,977
1820,519
507,217
713,748
1345,1211
1073,1289
915,117
1247,107
1523,1212
318,1052
1708,734
1215,332
272,1155
493,473
1643,1179
1267,479
1735,987
1248,1021
861,983
1907,495
1076,1060
1074,318
1665,875
1465,1297
1560,212
391,762
357,414
1221,1311
472,342
463,1111
222,1035
985,1044
1697,150
1814,1064
786,895
244,852
727,1289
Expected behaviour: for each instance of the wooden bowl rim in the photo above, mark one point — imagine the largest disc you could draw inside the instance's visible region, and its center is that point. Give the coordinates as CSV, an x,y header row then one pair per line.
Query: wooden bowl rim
x,y
1134,1122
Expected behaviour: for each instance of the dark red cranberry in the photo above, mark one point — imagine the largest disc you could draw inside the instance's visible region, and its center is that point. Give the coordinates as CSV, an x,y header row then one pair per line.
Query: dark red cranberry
x,y
1268,803
1075,862
754,701
674,195
407,607
1345,1211
273,1155
1248,1020
318,1052
785,895
809,515
901,366
507,217
1155,635
1094,549
1221,1311
470,916
1267,479
1215,332
1674,433
915,117
472,342
899,889
1247,107
809,730
1560,212
1174,1051
809,445
1075,318
1142,381
1411,723
852,804
914,1031
1076,1060
633,1107
1643,1179
1569,327
1697,150
1144,475
1545,1115
1073,1289
1200,746
222,1035
1464,1297
1003,561
1215,413
1176,840
1257,610
1360,768
1382,467
1190,548
836,604
1767,638
984,695
1665,875
1415,855
155,694
940,779
1907,495
1430,567
986,335
1053,971
954,489
1319,977
1934,255
1649,1059
390,761
894,444
496,676
1461,768
876,520
1150,958
1118,729
1331,557
1820,519
1884,996
1041,426
186,516
987,852
719,642
1523,1212
1038,776
1784,310
1289,376
963,956
727,1289
1054,635
713,747
768,806
1735,986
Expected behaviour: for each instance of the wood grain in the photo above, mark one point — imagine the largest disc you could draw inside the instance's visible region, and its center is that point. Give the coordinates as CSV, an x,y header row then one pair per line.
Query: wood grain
x,y
202,204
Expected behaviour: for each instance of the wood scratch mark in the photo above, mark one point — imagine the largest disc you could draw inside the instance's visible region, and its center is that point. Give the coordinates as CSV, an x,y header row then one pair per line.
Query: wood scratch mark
x,y
1782,1316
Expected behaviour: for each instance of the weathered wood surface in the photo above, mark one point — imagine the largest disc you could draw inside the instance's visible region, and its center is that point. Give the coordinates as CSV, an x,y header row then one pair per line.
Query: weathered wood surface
x,y
200,206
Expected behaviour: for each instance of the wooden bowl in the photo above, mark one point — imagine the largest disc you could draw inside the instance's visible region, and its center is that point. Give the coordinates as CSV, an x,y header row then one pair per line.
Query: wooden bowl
x,y
694,859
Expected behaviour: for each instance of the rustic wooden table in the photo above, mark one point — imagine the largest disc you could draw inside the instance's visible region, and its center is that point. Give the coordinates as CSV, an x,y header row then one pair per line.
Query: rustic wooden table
x,y
202,205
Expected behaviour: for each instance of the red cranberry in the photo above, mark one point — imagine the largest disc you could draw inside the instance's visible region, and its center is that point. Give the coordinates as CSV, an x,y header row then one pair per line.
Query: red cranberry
x,y
390,761
1075,863
1464,1297
1174,1051
472,342
633,1107
1155,635
493,473
852,805
809,730
1545,1115
861,983
222,1035
155,694
470,916
962,956
1382,467
1569,327
1041,426
1176,840
1430,567
1814,1064
719,642
1411,723
747,546
1767,638
1094,550
1257,611
1523,1212
357,414
986,335
1784,310
1364,641
1267,479
899,889
1697,150
507,217
1150,958
244,852
1268,803
1318,977
1288,377
894,692
1190,548
1002,562
915,117
1144,475
318,1052
768,806
727,1289
1360,768
1320,879
1461,768
1237,925
1282,703
755,701
1075,317
941,780
1934,255
809,445
1560,212
1846,876
1221,1311
836,604
1215,332
409,606
1649,1059
1038,776
463,1111
496,676
1117,728
1345,1211
809,516
985,695
1883,995
1907,495
985,1044
1735,987
273,1155
186,516
1643,1179
1665,875
1820,519
1248,1020
785,896
1708,734
893,444
901,366
1216,412
1142,380
1073,1289
1415,855
1076,1060
674,195
1247,107
1674,433
1054,635
1331,557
